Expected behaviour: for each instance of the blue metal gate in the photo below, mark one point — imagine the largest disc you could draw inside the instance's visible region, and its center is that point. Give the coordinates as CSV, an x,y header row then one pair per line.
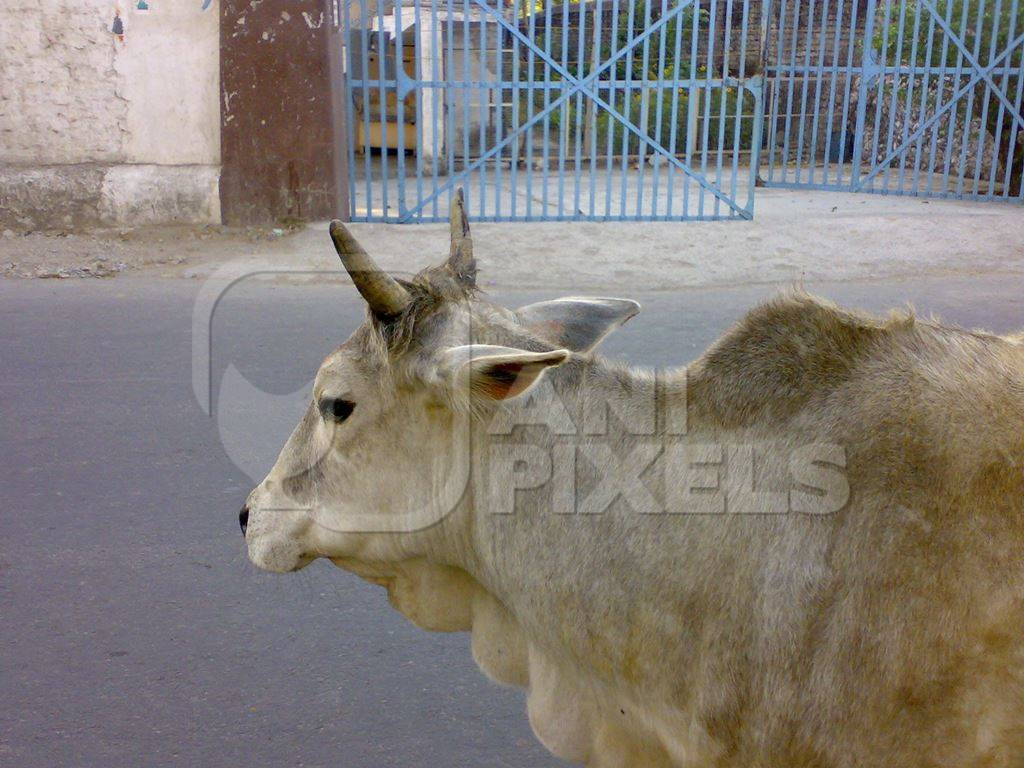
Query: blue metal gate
x,y
919,97
551,110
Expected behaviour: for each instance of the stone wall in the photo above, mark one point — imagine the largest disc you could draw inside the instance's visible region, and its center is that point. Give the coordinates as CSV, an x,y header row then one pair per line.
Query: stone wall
x,y
898,112
96,129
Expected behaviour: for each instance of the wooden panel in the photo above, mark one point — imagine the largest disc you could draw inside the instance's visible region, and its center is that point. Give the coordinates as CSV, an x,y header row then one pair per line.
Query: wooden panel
x,y
376,136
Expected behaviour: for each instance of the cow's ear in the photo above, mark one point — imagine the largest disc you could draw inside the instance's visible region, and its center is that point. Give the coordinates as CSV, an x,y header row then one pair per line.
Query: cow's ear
x,y
578,323
496,373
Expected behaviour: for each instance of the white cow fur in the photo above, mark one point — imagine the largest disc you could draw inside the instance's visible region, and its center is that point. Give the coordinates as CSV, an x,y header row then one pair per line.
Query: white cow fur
x,y
565,714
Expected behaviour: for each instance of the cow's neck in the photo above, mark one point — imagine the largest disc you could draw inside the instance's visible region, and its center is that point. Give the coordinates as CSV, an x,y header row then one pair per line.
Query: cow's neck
x,y
584,413
565,570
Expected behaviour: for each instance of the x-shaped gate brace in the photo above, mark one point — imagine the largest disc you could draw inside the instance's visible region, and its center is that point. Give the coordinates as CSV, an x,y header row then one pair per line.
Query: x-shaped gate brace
x,y
980,73
585,87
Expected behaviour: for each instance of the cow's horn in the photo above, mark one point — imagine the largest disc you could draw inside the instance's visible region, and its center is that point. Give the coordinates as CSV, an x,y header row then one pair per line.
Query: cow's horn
x,y
460,258
382,292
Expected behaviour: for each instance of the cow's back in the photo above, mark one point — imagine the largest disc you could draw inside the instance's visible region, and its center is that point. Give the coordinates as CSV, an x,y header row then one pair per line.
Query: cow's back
x,y
889,632
910,648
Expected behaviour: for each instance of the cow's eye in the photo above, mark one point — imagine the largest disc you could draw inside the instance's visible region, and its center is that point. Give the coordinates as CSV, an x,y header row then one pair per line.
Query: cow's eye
x,y
336,409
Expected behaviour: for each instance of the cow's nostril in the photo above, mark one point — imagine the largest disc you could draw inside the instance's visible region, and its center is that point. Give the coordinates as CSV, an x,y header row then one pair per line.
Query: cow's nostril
x,y
243,519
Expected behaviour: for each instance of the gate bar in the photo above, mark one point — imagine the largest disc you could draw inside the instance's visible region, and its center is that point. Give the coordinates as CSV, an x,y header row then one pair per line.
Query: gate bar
x,y
584,84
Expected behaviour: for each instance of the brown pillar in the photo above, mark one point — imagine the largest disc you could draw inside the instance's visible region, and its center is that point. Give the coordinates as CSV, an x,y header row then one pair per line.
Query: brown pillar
x,y
280,137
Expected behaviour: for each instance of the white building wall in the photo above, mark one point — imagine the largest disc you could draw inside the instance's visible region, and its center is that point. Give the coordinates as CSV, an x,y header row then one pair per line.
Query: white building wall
x,y
97,131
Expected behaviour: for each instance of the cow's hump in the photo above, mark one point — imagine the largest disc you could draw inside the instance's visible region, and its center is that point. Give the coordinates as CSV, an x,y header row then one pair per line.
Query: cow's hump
x,y
784,354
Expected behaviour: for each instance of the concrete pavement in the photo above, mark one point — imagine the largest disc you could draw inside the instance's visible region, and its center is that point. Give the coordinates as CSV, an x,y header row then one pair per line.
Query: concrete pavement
x,y
795,235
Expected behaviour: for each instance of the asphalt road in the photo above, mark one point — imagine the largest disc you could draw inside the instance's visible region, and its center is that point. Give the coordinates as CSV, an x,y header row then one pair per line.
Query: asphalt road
x,y
134,630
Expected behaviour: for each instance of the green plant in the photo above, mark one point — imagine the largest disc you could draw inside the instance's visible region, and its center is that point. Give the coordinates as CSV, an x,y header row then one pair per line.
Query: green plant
x,y
727,112
985,28
649,91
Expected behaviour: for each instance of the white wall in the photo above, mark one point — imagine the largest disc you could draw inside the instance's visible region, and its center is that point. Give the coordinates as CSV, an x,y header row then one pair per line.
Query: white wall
x,y
169,75
72,94
58,89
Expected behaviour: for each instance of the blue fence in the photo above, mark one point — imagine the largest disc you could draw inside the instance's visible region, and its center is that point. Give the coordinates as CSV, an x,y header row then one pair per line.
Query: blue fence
x,y
918,97
601,110
674,109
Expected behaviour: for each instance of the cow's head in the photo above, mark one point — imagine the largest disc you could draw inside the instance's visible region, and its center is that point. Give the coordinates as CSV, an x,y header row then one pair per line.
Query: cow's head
x,y
382,452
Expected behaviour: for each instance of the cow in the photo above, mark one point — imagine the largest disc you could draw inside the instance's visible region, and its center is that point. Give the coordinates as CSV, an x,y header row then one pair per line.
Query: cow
x,y
803,549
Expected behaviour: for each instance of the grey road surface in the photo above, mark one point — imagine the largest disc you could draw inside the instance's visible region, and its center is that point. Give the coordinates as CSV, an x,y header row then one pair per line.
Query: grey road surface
x,y
134,631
